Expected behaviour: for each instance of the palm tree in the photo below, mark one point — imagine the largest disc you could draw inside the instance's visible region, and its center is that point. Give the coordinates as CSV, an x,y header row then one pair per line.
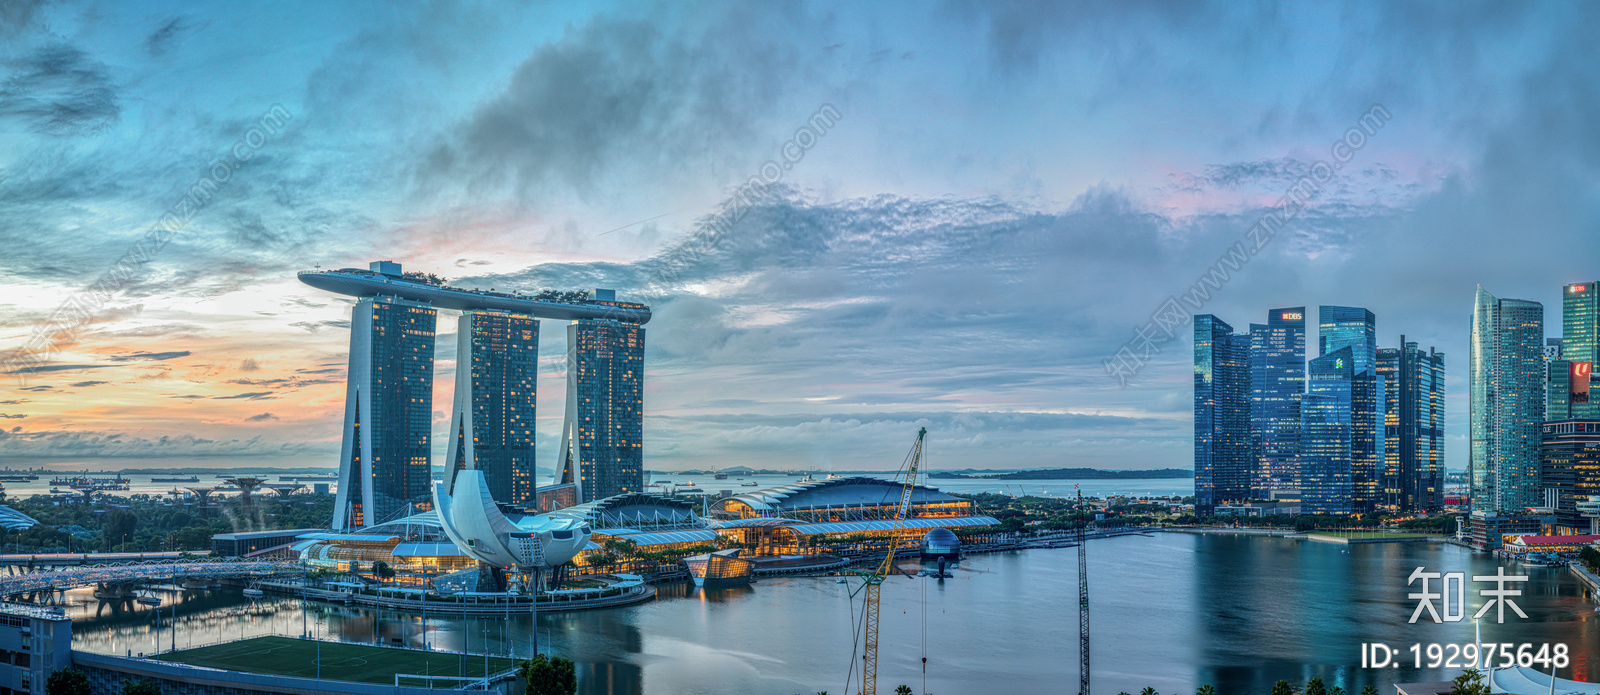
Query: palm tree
x,y
1206,690
1282,688
1370,690
1315,687
1148,691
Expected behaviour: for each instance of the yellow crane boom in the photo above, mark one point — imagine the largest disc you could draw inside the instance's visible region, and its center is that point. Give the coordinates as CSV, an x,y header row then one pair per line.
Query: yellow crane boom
x,y
874,581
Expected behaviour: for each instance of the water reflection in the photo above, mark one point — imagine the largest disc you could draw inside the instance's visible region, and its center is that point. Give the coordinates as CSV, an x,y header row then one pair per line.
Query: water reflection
x,y
1170,612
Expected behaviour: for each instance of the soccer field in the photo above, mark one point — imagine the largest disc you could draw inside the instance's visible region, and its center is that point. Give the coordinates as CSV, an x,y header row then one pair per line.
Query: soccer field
x,y
288,656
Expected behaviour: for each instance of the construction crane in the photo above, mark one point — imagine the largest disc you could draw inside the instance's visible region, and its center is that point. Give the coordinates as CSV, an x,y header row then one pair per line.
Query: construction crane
x,y
1083,600
874,580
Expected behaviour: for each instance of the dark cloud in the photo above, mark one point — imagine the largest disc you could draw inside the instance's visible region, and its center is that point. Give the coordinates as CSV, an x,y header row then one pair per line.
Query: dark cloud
x,y
261,418
8,416
619,101
151,356
56,368
254,396
16,401
59,90
164,39
17,16
86,384
249,365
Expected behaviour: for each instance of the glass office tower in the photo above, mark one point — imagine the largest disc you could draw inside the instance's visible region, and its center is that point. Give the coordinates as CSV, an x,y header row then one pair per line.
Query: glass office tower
x,y
1356,328
492,423
1570,468
384,457
1413,452
1580,322
1222,460
602,438
1506,375
1327,434
1277,380
1570,379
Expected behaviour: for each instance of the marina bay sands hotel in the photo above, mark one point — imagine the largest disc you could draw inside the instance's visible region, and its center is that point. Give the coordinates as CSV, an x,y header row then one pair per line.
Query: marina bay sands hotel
x,y
384,461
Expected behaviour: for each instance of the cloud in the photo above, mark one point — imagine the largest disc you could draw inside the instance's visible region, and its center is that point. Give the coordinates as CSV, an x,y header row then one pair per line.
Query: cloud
x,y
249,365
16,401
8,416
618,102
163,40
19,15
152,356
254,396
76,444
294,382
86,384
314,326
56,368
261,418
59,90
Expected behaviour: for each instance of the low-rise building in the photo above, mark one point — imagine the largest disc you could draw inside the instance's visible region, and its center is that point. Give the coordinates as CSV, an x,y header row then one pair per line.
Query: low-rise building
x,y
34,642
249,542
1487,530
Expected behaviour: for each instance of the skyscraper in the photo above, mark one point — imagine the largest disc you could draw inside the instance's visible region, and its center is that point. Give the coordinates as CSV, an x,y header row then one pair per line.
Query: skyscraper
x,y
1413,462
1570,377
1506,375
1277,380
602,438
1580,322
1356,328
1328,434
1570,468
383,460
1222,460
492,423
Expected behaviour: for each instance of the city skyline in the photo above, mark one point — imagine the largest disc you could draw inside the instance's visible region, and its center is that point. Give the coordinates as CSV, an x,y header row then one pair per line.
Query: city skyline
x,y
972,279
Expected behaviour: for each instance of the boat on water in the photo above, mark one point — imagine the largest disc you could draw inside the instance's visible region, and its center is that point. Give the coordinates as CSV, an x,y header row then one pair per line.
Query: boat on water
x,y
750,484
253,592
149,600
691,488
190,479
1541,560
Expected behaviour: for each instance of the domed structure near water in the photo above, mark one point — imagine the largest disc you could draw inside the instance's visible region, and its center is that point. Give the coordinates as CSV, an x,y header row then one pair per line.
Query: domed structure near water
x,y
940,542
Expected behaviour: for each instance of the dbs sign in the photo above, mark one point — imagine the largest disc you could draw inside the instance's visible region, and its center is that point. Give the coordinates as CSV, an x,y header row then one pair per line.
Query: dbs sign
x,y
1578,378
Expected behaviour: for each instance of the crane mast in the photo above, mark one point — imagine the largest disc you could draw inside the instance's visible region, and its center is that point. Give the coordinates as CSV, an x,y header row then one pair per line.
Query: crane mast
x,y
1083,601
874,581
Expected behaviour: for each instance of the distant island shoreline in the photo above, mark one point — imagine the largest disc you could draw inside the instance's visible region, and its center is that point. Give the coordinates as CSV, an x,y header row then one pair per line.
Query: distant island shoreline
x,y
1066,474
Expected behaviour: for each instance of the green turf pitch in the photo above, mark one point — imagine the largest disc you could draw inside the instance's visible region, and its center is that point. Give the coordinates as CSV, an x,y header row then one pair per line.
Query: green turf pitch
x,y
288,656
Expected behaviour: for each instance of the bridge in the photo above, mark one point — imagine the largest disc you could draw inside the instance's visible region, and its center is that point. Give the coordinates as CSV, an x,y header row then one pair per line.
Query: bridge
x,y
124,573
33,561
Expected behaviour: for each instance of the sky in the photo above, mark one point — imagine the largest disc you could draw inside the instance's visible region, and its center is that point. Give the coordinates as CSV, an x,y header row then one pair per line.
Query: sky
x,y
1007,192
